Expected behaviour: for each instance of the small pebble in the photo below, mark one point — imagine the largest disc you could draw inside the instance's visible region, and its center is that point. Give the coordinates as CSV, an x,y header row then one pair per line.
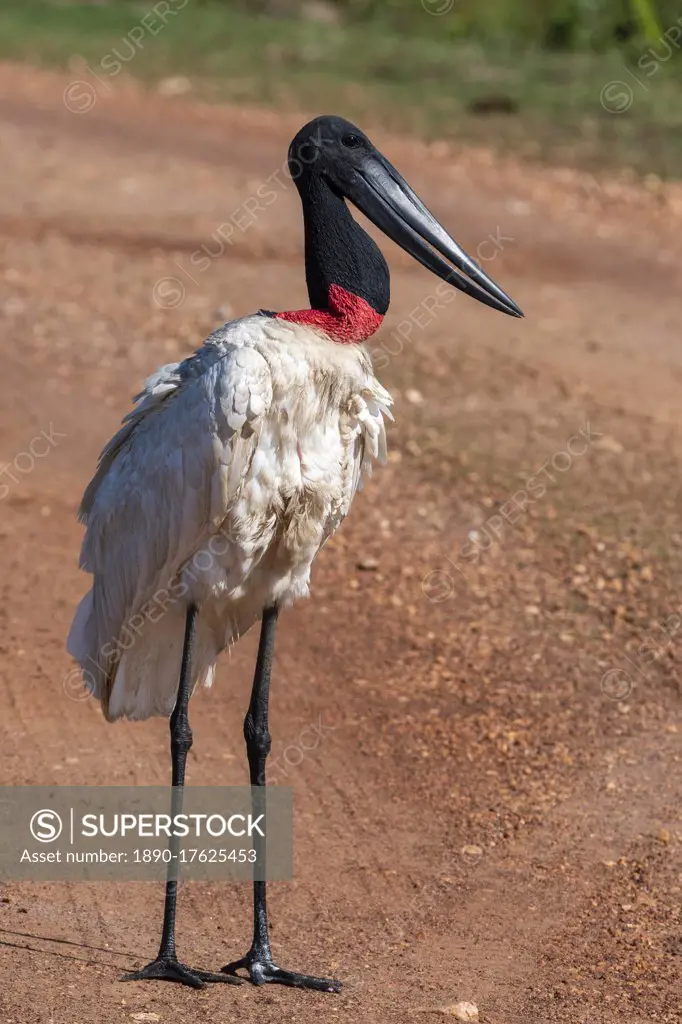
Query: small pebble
x,y
176,85
609,444
465,1011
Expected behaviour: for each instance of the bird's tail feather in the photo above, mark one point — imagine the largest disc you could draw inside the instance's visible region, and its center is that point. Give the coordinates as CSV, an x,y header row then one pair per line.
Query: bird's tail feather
x,y
144,680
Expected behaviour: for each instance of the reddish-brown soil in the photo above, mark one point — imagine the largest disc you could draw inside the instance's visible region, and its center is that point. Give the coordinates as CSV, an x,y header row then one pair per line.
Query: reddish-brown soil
x,y
482,820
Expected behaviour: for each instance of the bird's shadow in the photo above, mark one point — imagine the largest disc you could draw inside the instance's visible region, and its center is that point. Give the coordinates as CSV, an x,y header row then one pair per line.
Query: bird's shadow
x,y
135,957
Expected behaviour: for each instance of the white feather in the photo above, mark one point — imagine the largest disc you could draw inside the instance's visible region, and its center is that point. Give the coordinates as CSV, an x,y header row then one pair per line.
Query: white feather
x,y
219,489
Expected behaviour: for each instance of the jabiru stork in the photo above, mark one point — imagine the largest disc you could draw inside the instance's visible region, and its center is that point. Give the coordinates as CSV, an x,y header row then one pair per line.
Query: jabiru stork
x,y
249,452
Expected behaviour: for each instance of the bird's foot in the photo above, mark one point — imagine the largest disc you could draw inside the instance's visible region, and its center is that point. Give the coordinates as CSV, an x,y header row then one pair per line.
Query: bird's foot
x,y
262,970
166,968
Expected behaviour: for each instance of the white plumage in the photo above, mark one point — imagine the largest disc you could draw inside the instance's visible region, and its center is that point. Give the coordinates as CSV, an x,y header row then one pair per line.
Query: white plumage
x,y
219,489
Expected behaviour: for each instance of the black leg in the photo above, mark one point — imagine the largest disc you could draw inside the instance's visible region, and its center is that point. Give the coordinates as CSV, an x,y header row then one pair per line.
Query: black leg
x,y
258,961
166,967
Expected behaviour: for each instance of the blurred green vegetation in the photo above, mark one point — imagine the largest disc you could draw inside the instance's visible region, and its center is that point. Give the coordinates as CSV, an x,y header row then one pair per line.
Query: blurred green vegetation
x,y
596,25
581,82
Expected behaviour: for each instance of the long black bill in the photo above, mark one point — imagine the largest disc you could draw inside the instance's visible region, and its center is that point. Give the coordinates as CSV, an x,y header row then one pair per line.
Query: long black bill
x,y
383,195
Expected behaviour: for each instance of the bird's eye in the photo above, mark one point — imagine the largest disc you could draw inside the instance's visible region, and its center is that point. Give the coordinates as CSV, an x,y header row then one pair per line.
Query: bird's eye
x,y
351,141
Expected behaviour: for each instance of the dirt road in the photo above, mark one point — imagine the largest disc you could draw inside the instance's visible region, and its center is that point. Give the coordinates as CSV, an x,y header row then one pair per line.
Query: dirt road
x,y
492,812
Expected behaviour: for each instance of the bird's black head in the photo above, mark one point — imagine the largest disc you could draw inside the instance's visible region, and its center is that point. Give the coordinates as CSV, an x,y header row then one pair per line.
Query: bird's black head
x,y
331,155
330,148
324,160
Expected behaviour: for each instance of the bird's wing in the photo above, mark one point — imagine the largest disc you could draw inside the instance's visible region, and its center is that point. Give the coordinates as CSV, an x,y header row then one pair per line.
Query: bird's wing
x,y
164,484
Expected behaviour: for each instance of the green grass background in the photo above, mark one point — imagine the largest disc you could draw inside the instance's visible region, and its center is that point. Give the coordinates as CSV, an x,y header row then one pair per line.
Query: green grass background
x,y
530,76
